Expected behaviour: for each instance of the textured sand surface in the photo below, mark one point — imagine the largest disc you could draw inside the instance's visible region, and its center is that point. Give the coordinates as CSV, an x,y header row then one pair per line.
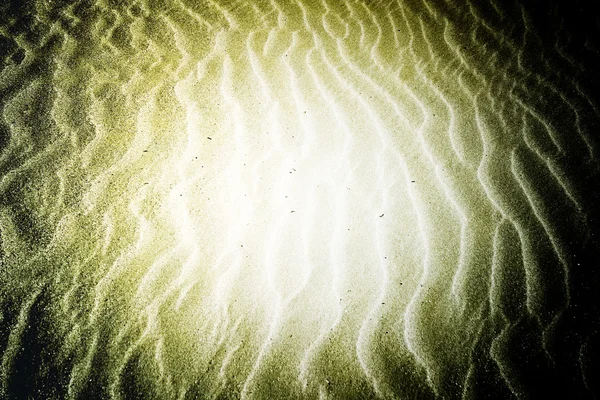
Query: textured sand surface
x,y
269,199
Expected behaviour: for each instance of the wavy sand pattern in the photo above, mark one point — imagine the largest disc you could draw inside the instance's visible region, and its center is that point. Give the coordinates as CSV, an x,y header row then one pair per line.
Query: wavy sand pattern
x,y
298,199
